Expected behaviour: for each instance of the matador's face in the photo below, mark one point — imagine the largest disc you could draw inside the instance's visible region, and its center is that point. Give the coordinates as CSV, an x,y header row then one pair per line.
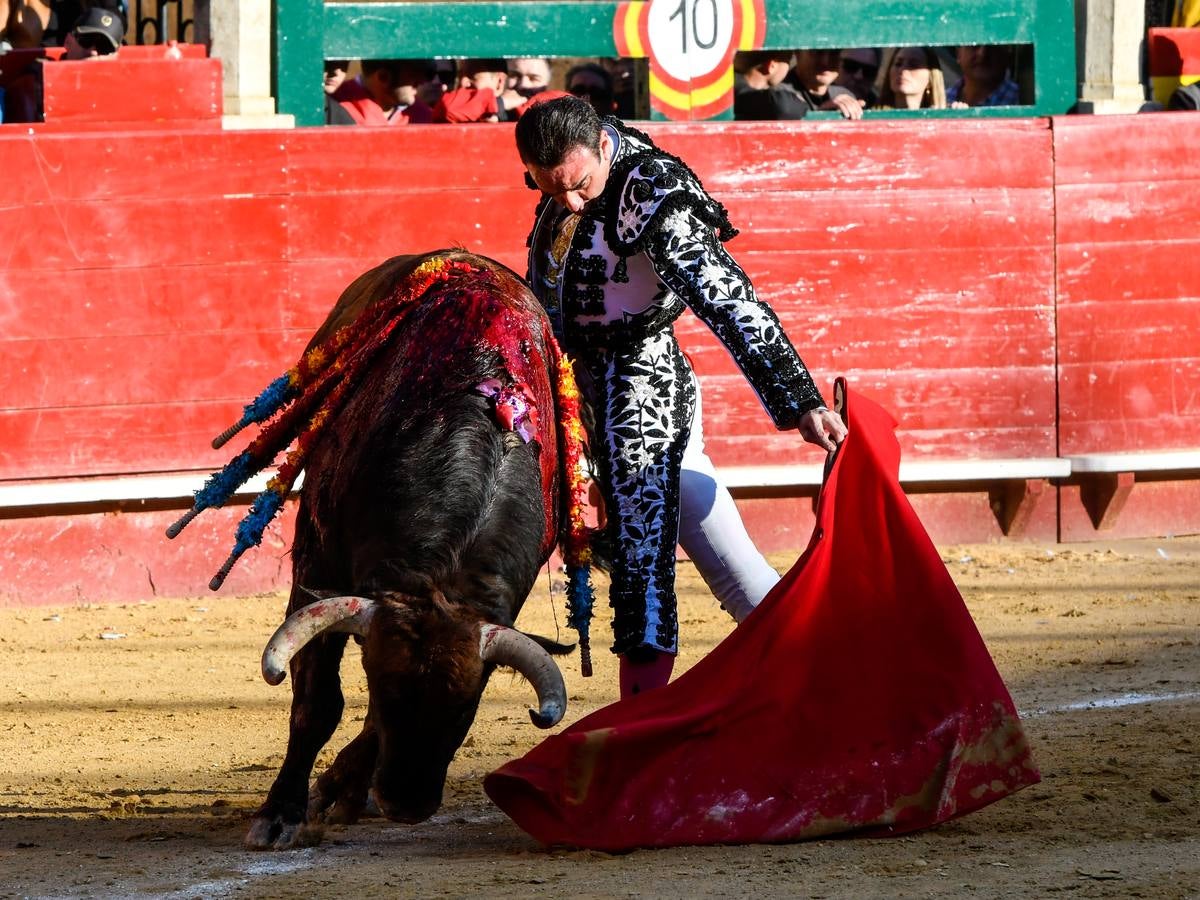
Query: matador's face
x,y
579,178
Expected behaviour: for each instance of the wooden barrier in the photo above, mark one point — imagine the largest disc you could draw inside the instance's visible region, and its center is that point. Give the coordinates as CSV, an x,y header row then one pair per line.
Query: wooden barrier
x,y
1128,302
155,281
892,286
18,60
133,93
140,87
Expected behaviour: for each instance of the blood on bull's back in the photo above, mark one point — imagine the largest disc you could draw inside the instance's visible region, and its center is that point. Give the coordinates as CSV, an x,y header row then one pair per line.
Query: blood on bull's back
x,y
413,479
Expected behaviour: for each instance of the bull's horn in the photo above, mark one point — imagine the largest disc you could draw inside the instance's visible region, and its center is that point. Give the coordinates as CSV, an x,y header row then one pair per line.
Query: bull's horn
x,y
508,647
351,614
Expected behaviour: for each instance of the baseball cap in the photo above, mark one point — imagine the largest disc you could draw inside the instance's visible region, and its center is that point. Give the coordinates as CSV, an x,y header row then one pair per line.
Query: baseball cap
x,y
102,22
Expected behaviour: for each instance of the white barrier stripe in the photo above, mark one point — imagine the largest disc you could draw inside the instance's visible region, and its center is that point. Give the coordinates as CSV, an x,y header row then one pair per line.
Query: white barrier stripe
x,y
115,490
914,472
181,487
1164,461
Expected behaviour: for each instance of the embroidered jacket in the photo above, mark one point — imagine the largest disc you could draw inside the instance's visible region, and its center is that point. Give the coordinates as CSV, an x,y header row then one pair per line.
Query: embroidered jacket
x,y
650,244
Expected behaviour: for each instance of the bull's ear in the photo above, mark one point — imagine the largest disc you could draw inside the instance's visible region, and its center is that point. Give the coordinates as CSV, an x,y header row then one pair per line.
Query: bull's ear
x,y
554,648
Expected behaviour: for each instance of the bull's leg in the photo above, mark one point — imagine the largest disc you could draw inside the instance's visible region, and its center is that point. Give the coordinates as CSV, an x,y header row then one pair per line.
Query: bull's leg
x,y
340,794
316,710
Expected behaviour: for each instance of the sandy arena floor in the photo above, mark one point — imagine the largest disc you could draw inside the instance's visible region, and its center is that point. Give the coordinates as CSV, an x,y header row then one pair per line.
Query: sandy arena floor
x,y
135,741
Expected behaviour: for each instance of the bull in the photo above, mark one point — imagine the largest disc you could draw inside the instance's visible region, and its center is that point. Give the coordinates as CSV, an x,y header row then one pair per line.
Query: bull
x,y
430,502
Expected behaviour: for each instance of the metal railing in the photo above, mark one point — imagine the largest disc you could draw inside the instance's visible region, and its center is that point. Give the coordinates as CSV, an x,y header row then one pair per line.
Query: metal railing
x,y
159,21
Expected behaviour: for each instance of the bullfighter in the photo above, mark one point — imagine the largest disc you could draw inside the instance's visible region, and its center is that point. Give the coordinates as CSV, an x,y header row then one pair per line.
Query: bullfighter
x,y
625,237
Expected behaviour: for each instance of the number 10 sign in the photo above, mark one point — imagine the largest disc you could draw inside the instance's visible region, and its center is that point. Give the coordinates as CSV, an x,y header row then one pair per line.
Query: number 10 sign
x,y
691,45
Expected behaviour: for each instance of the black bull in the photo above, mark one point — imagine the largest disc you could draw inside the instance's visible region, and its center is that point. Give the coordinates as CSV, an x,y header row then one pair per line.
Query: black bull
x,y
422,525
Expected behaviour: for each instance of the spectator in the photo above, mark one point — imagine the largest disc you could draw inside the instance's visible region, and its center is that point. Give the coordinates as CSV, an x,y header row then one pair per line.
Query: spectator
x,y
814,77
413,81
442,80
335,76
356,98
759,91
23,23
624,81
593,83
99,33
336,73
1185,97
857,69
393,85
481,95
985,80
528,75
914,80
67,14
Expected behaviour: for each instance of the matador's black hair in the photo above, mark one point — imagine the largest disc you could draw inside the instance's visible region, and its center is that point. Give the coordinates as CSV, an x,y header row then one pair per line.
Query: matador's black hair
x,y
548,131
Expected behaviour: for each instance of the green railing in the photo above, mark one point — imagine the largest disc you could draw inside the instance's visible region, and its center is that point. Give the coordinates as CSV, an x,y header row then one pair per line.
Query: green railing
x,y
310,31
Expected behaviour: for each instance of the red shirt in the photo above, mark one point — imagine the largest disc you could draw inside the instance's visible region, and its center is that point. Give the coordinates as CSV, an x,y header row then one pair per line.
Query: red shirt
x,y
417,113
357,101
466,105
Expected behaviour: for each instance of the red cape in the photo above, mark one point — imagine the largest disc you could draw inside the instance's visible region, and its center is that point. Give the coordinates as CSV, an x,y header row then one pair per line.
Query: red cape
x,y
858,697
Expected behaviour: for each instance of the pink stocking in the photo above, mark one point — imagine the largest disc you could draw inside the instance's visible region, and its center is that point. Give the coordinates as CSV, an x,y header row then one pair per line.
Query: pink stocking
x,y
637,677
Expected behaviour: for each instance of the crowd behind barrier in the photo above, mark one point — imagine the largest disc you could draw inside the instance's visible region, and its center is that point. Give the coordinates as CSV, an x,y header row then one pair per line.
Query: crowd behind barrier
x,y
769,84
842,82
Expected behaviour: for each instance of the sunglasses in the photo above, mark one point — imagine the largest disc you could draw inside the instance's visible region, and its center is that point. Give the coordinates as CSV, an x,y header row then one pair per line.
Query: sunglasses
x,y
586,90
854,67
97,42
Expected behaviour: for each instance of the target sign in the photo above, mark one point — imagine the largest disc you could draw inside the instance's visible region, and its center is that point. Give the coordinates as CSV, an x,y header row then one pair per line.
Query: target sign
x,y
690,44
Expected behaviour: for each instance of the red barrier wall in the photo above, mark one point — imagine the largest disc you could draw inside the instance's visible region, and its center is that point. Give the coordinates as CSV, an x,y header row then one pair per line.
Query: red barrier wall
x,y
154,282
1128,293
138,87
181,93
915,258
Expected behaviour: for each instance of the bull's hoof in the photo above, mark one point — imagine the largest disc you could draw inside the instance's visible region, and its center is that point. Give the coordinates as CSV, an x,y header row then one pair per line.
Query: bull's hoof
x,y
340,812
273,833
332,803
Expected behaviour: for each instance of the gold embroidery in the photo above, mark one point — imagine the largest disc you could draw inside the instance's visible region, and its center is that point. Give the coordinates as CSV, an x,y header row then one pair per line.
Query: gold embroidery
x,y
563,233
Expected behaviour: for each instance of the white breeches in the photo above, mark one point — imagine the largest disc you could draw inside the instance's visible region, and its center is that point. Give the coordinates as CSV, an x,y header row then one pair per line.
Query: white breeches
x,y
713,536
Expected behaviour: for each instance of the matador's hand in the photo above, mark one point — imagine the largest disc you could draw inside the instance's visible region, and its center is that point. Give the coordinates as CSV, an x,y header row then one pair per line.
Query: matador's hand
x,y
823,427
